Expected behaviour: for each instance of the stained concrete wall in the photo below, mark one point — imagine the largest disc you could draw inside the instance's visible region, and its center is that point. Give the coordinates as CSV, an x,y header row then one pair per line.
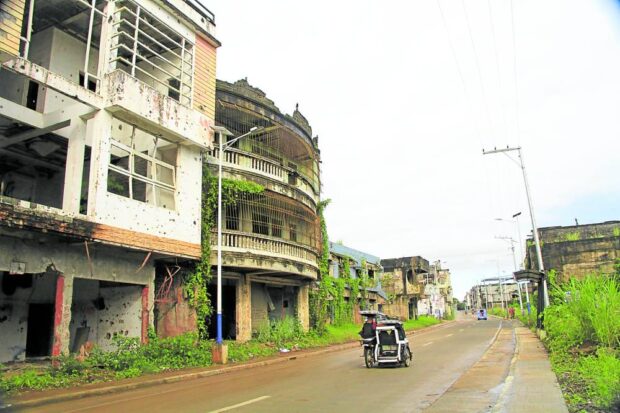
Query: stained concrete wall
x,y
121,312
108,264
14,313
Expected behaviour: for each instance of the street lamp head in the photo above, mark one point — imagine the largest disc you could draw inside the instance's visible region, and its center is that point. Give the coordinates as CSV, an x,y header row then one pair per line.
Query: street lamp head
x,y
254,128
516,215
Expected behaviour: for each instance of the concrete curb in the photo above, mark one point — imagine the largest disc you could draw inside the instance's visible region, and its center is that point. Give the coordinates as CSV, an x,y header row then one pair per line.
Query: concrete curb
x,y
121,387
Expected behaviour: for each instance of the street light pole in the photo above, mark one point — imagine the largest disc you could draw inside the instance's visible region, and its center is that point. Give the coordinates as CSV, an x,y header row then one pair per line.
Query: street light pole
x,y
222,132
541,268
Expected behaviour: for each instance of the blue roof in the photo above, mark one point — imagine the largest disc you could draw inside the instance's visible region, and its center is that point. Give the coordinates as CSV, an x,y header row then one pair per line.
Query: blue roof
x,y
358,256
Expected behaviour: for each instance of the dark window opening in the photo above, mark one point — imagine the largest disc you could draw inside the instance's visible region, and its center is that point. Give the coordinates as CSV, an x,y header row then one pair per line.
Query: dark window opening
x,y
174,89
410,276
292,232
32,96
232,217
260,223
276,227
371,274
92,85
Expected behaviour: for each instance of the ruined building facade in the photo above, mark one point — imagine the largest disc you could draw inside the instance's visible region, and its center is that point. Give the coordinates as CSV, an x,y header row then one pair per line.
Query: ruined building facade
x,y
270,241
415,287
106,107
361,265
577,250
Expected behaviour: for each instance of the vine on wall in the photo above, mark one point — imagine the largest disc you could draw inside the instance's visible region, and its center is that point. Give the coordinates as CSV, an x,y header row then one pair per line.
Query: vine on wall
x,y
323,290
196,282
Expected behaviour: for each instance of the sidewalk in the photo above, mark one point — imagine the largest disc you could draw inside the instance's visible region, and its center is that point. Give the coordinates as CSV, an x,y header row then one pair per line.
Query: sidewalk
x,y
513,376
37,398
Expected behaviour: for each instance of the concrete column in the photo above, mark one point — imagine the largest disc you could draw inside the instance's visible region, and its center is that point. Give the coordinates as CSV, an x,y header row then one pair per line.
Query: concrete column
x,y
303,306
145,315
244,308
62,315
75,167
99,132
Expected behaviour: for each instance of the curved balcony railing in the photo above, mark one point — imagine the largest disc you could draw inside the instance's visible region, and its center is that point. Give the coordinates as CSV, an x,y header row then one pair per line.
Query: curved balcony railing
x,y
250,162
236,241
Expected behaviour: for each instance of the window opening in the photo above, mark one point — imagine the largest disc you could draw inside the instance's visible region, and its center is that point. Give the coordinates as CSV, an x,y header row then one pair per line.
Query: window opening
x,y
142,166
152,51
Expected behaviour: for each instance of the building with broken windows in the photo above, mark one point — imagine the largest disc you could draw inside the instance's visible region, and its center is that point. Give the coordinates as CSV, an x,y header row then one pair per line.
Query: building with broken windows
x,y
105,110
270,240
364,267
403,280
416,287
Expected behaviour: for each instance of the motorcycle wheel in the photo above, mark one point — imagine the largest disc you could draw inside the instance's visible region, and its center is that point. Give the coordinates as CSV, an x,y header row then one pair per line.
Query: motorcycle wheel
x,y
369,358
406,358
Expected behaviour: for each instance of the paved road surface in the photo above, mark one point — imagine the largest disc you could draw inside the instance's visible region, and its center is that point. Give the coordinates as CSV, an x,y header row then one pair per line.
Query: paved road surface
x,y
333,382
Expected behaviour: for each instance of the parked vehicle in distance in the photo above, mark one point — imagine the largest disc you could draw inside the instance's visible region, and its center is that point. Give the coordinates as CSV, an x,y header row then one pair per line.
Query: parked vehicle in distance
x,y
482,314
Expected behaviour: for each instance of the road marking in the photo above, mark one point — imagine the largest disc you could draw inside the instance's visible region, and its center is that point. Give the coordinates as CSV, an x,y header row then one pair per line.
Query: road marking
x,y
461,330
225,409
451,334
427,344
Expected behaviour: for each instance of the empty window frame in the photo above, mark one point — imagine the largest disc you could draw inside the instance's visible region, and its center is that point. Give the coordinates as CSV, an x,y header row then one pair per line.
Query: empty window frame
x,y
149,49
142,166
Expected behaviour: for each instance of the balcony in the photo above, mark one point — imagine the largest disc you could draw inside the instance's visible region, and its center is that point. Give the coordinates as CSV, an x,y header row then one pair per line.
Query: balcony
x,y
276,255
303,188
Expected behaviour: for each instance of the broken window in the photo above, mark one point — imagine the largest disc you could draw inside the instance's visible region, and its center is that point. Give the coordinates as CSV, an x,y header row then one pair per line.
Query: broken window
x,y
152,51
142,166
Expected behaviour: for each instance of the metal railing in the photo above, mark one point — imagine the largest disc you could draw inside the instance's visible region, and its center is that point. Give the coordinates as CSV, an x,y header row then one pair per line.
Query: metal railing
x,y
167,56
267,167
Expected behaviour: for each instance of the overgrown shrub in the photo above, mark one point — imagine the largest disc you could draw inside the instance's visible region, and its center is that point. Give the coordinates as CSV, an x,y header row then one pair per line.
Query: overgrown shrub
x,y
583,336
280,332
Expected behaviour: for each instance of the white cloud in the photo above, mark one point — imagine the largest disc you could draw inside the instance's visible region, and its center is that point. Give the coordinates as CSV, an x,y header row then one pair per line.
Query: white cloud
x,y
401,139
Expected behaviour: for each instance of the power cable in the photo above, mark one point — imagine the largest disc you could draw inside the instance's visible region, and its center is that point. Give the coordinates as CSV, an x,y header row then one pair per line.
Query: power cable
x,y
473,45
514,71
497,67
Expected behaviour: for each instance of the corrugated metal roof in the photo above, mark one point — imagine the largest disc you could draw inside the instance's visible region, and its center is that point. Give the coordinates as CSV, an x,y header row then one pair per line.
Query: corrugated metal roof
x,y
358,256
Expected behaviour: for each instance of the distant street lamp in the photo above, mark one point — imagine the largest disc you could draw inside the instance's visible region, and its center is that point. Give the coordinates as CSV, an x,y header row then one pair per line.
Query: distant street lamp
x,y
222,134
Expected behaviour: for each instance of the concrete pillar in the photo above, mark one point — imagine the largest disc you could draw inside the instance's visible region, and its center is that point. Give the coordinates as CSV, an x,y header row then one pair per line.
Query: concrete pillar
x,y
303,306
75,167
62,315
145,315
244,309
99,132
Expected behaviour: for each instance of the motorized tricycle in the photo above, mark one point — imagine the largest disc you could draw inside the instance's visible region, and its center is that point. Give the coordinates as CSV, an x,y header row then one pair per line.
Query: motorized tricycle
x,y
384,341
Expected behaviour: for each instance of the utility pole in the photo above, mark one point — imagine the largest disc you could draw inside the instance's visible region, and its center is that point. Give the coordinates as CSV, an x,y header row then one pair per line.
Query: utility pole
x,y
514,261
541,267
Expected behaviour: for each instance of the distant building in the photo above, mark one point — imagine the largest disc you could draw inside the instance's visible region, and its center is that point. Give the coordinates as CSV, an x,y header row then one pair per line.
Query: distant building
x,y
359,263
404,281
490,293
577,250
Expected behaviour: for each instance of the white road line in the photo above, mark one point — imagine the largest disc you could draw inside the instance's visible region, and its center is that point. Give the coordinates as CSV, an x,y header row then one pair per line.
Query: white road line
x,y
449,335
461,330
427,344
225,409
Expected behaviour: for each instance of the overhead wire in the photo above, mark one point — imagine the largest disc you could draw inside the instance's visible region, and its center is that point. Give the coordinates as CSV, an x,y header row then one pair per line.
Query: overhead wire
x,y
497,67
477,61
514,71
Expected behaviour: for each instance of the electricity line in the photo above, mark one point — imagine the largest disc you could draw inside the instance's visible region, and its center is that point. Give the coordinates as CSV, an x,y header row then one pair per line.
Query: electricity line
x,y
473,45
514,71
497,67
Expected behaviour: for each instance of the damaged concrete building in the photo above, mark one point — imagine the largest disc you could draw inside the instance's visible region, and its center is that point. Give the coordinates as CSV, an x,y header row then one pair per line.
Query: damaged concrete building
x,y
577,250
416,287
106,107
361,265
270,240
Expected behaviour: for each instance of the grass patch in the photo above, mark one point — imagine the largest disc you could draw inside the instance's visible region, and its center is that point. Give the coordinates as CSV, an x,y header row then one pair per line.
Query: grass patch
x,y
583,337
421,322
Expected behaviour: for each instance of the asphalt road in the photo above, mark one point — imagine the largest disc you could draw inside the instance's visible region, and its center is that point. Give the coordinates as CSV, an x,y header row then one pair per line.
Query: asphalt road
x,y
332,382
